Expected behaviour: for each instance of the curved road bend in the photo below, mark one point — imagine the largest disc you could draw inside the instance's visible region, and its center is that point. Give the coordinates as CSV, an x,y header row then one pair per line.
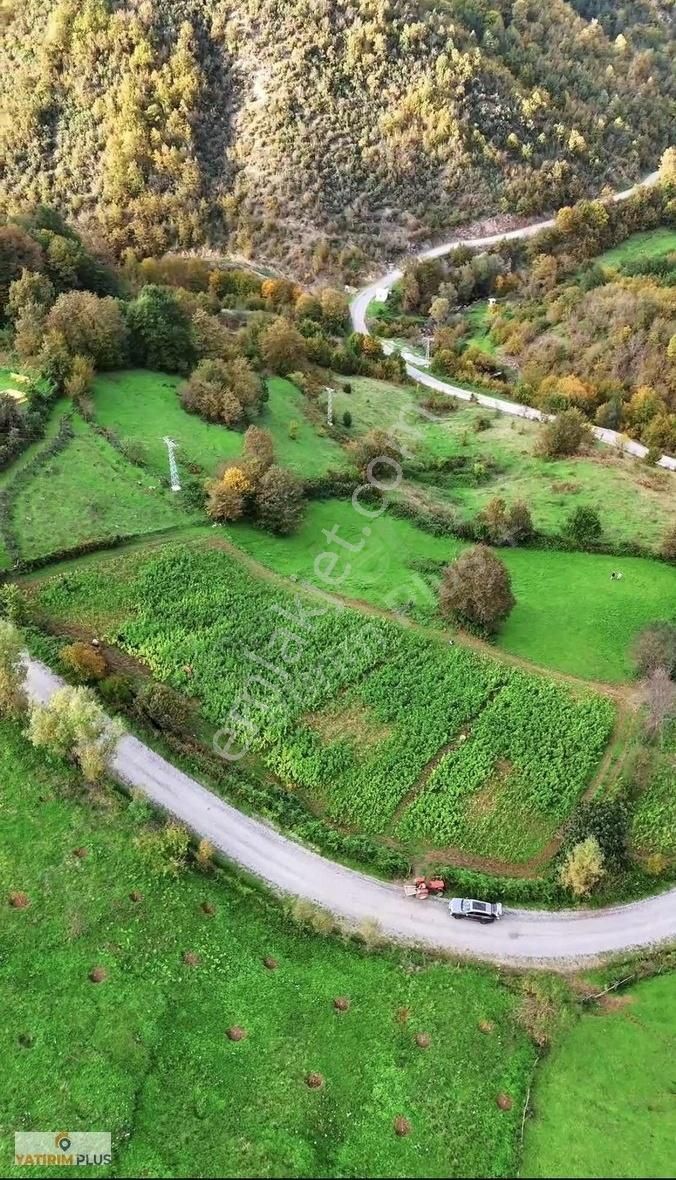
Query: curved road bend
x,y
523,938
415,366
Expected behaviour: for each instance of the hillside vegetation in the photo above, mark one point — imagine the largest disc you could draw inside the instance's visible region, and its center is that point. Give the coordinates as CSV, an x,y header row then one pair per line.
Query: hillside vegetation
x,y
322,130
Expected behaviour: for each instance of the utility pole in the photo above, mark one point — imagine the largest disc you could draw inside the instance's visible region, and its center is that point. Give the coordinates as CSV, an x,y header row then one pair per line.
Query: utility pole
x,y
329,405
173,466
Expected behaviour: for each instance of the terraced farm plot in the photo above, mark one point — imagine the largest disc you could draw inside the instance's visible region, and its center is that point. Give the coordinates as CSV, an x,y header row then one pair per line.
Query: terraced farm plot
x,y
143,407
447,720
146,1052
89,492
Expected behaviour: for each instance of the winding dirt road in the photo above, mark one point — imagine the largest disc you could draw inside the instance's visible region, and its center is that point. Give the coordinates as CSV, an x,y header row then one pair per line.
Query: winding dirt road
x,y
523,938
416,366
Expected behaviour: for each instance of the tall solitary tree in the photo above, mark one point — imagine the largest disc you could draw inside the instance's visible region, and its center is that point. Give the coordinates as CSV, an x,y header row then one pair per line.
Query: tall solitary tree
x,y
477,589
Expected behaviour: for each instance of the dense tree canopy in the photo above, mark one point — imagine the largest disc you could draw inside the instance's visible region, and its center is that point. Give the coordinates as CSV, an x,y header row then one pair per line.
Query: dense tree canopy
x,y
321,130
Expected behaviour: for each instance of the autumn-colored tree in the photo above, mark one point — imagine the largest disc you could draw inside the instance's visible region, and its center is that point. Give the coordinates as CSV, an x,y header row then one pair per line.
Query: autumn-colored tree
x,y
335,309
307,307
18,252
258,452
283,349
279,500
90,326
477,589
73,725
13,701
660,698
439,309
226,391
212,339
81,377
583,867
31,288
227,496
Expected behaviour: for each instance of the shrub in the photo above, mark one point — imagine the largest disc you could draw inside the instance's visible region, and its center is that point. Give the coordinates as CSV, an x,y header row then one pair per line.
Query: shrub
x,y
166,709
477,589
86,662
583,526
165,850
117,691
607,820
347,419
565,435
583,867
668,549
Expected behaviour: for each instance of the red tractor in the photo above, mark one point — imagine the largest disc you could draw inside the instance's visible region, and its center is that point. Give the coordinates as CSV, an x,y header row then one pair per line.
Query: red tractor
x,y
423,888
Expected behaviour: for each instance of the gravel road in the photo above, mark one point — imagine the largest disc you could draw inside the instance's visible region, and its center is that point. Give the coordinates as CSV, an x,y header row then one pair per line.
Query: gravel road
x,y
416,366
523,937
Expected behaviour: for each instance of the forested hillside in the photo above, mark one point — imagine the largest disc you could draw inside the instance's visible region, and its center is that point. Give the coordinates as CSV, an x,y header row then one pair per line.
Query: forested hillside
x,y
317,130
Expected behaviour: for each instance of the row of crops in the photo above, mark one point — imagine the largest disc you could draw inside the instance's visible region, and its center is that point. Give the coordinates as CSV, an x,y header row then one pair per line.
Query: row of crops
x,y
469,751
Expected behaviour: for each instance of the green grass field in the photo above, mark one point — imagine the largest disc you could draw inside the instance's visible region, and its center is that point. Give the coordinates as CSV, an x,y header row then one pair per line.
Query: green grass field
x,y
653,243
144,407
569,615
604,1098
145,1054
635,502
89,492
479,319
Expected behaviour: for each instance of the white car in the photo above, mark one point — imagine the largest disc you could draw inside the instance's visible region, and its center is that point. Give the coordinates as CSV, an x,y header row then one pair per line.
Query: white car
x,y
479,911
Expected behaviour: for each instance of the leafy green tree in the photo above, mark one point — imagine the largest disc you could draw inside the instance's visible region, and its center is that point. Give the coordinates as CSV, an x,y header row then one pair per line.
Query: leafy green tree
x,y
565,435
160,331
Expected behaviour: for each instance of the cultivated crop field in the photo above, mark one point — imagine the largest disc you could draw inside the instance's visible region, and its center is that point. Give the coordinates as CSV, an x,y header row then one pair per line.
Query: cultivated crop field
x,y
145,1052
459,741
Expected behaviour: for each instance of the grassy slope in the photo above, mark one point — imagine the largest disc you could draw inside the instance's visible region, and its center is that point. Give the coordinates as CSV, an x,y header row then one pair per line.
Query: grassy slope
x,y
569,614
89,492
604,1103
634,501
144,407
653,243
145,1055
